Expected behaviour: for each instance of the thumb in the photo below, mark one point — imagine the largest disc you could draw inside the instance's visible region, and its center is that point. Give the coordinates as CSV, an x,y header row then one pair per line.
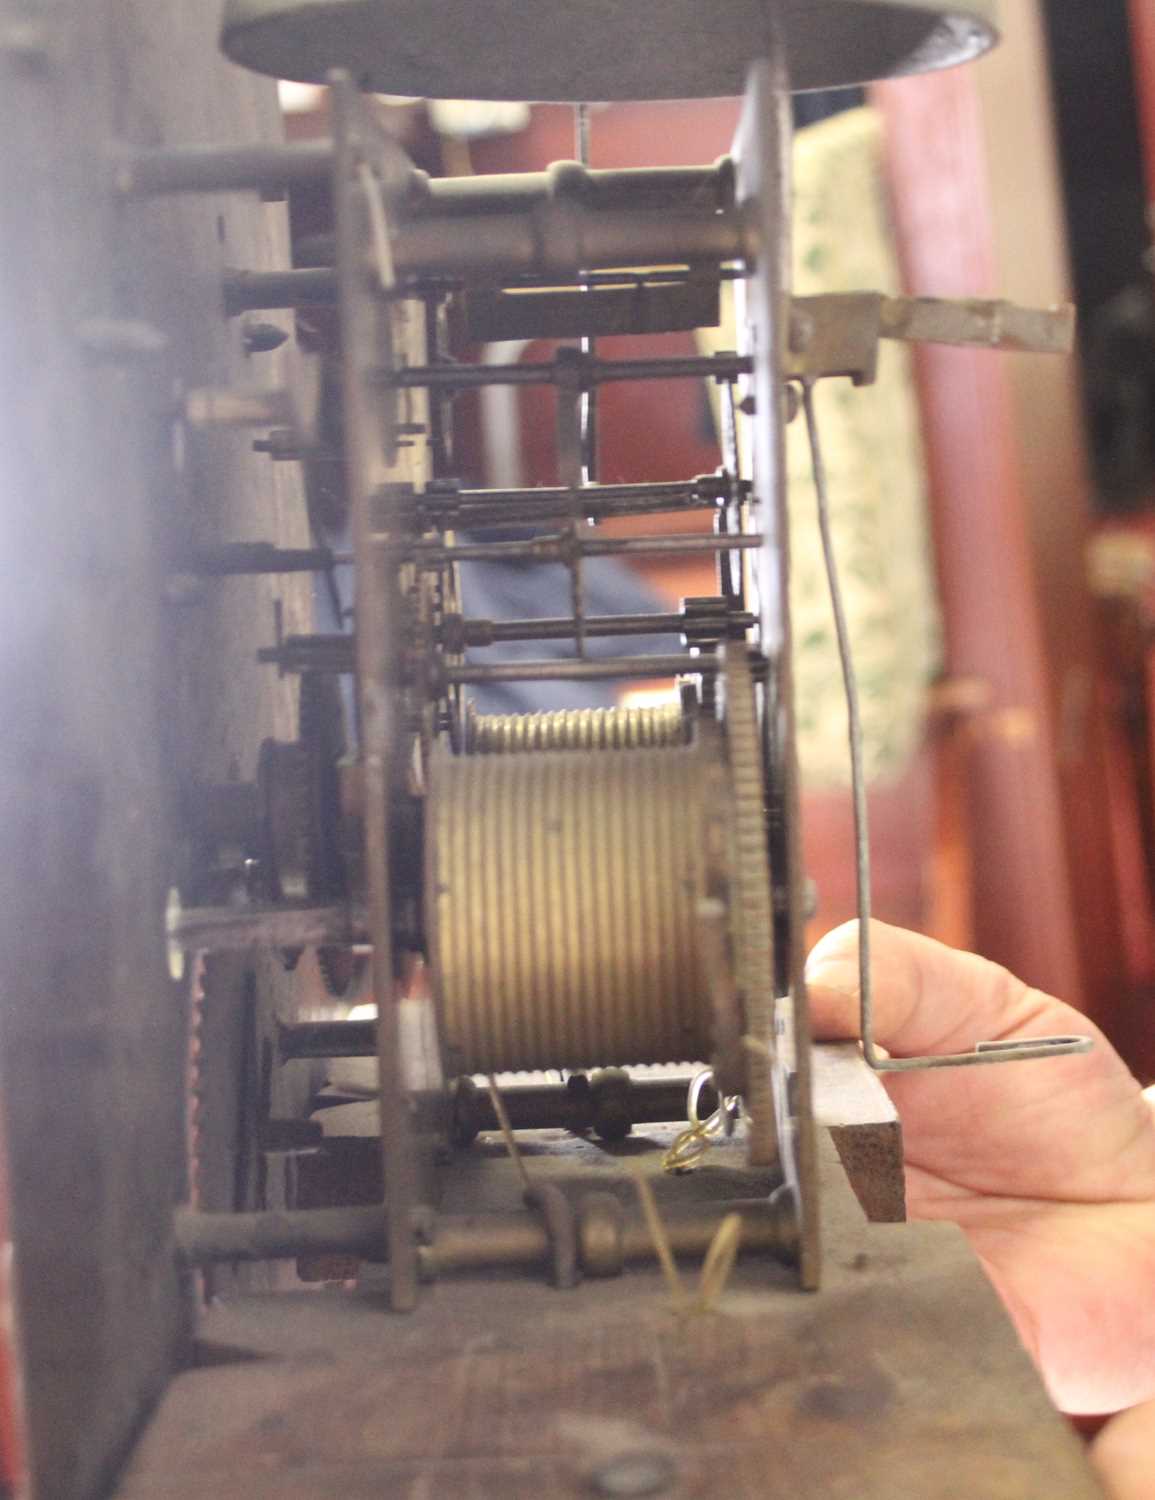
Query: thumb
x,y
927,997
1124,1454
1007,1130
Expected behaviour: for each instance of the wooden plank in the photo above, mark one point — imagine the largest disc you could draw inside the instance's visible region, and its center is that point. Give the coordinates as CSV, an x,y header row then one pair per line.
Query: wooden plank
x,y
107,309
850,1101
901,1377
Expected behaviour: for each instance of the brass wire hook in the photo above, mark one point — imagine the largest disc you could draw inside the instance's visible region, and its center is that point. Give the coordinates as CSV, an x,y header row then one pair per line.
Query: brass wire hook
x,y
691,1144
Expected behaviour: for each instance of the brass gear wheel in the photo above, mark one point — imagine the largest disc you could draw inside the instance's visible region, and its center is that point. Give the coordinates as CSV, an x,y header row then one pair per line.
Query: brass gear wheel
x,y
432,597
751,902
321,730
285,777
303,855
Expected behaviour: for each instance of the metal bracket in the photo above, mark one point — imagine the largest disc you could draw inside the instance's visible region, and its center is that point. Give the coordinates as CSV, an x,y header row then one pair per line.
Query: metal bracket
x,y
837,334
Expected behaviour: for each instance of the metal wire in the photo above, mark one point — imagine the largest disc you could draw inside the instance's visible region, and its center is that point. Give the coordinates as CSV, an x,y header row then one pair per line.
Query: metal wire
x,y
690,1145
985,1052
587,401
597,669
507,1134
582,133
548,372
558,547
374,196
730,571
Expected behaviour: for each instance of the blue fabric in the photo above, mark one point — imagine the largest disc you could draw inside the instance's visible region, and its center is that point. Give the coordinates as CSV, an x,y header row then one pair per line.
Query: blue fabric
x,y
505,591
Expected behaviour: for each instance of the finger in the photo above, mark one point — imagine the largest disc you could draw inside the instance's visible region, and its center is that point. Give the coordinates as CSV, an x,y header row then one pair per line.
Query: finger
x,y
1124,1454
927,998
1013,1129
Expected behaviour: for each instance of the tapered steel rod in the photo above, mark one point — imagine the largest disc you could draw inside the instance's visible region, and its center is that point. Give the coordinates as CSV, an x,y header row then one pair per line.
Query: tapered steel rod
x,y
562,548
210,168
310,1039
650,1101
219,928
247,291
312,653
548,372
490,632
595,670
240,558
202,1238
336,653
706,487
485,508
207,169
462,1242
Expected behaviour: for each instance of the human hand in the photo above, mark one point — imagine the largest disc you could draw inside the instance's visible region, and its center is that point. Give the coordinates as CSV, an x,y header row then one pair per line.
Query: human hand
x,y
1048,1167
1124,1454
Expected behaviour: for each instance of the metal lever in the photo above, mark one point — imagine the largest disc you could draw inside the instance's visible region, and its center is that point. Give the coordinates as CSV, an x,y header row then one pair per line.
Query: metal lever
x,y
985,1052
1030,1050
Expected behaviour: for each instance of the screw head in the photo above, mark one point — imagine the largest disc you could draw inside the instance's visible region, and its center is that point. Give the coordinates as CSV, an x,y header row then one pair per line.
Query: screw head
x,y
173,946
636,1473
120,339
802,331
25,39
261,338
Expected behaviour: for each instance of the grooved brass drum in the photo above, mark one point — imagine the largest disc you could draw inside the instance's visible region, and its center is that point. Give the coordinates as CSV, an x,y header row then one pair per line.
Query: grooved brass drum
x,y
597,49
562,898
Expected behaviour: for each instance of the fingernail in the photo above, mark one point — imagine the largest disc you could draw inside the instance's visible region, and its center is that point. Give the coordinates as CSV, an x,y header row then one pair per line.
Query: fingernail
x,y
831,974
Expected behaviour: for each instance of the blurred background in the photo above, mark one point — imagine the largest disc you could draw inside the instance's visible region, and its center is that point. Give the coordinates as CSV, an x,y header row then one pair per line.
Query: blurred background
x,y
995,513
